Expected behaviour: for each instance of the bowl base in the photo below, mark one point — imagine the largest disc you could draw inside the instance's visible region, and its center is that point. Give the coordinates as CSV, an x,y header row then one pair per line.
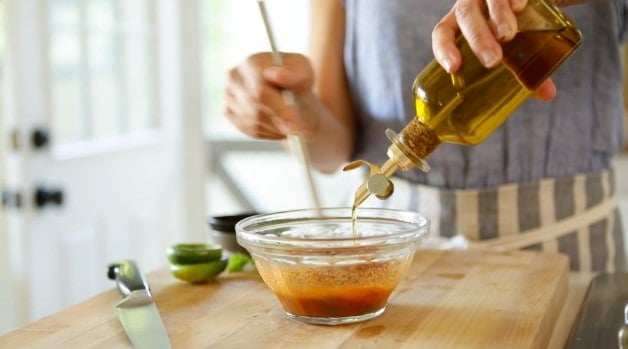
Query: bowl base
x,y
331,321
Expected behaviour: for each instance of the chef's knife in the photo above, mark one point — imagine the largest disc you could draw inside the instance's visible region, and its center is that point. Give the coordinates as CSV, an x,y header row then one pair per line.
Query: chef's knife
x,y
137,311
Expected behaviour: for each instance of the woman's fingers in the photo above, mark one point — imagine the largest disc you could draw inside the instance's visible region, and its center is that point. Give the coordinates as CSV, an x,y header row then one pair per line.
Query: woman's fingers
x,y
547,91
249,117
444,46
261,99
483,23
502,19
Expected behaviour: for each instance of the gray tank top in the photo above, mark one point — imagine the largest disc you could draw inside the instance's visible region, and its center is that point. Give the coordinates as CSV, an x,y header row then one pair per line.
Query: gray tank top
x,y
388,42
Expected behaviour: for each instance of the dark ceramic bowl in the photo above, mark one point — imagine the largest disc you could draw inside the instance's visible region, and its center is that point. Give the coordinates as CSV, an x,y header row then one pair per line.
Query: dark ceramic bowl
x,y
222,231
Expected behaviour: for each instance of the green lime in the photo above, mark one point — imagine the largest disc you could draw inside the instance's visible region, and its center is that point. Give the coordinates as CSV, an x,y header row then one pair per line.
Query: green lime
x,y
193,253
237,261
199,272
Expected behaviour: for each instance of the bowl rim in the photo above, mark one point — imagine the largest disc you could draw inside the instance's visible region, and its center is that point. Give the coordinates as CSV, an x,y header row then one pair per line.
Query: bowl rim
x,y
254,239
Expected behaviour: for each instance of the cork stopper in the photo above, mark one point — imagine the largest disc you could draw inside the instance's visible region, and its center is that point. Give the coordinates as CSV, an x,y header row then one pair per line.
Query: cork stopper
x,y
421,139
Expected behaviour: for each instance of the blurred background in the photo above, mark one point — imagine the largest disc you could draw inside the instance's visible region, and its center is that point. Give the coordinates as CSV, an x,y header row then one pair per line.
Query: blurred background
x,y
113,144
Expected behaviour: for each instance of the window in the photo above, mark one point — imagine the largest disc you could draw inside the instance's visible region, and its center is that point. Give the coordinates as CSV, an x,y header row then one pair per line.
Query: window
x,y
102,62
2,46
1,30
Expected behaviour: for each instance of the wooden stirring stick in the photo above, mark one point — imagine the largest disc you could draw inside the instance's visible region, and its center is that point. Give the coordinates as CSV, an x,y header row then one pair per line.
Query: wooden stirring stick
x,y
296,141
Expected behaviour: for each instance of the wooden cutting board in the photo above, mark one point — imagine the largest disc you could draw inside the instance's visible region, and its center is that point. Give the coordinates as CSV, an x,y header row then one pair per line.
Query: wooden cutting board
x,y
450,299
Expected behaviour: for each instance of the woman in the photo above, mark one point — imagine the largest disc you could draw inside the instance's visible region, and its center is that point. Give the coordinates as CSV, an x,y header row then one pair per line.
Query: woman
x,y
543,180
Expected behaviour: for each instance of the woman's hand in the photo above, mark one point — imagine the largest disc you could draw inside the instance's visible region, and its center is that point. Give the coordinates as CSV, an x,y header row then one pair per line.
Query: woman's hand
x,y
484,24
255,101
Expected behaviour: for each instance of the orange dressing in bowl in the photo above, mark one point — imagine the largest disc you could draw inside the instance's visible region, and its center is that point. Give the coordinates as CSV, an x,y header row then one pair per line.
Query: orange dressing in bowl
x,y
336,302
332,291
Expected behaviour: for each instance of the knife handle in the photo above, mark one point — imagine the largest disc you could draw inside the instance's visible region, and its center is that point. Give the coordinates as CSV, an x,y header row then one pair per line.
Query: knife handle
x,y
127,276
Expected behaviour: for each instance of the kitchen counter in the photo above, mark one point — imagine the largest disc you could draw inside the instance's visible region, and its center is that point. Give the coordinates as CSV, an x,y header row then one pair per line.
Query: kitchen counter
x,y
466,299
578,286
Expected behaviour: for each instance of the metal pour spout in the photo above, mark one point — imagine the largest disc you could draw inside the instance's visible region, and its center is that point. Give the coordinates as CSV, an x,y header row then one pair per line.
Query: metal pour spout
x,y
378,182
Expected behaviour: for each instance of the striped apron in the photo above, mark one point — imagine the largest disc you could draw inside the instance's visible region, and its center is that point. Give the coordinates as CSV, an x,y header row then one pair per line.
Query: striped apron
x,y
577,216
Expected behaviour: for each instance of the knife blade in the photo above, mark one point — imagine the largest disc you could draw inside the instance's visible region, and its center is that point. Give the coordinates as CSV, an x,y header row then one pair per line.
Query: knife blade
x,y
137,310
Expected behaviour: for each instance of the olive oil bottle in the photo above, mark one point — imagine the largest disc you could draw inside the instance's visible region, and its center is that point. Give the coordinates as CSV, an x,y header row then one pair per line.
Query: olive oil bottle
x,y
467,107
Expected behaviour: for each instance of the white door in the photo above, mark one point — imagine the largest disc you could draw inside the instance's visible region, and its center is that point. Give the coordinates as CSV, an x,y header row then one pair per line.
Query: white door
x,y
94,143
5,291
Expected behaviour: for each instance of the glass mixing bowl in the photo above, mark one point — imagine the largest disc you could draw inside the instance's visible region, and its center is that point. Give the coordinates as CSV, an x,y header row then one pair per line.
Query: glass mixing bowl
x,y
322,271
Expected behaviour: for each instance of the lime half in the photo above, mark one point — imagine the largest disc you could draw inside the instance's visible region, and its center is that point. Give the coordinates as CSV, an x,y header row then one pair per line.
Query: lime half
x,y
199,272
193,253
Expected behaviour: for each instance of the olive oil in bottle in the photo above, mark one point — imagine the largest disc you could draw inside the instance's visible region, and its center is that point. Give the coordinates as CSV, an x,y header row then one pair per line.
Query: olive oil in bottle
x,y
466,107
